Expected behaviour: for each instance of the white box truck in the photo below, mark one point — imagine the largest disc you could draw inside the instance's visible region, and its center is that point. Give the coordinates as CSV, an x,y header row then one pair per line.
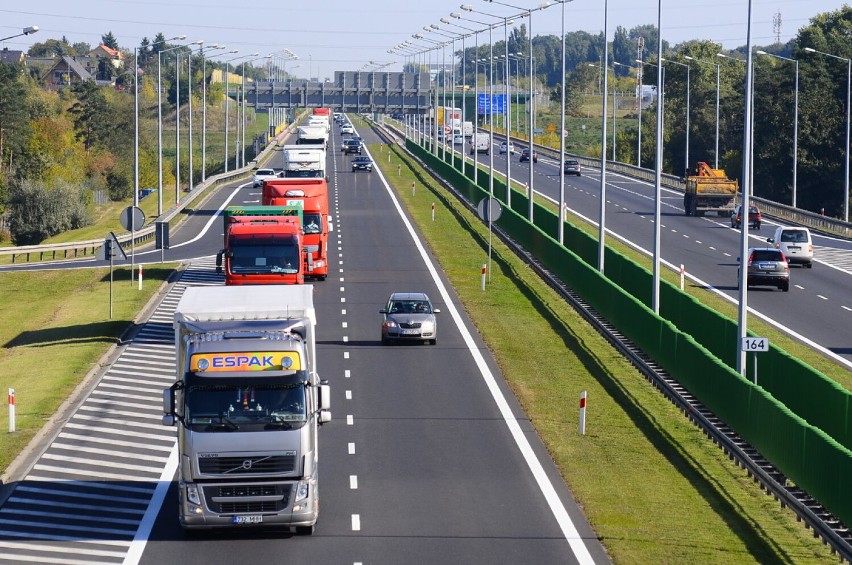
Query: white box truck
x,y
312,135
248,404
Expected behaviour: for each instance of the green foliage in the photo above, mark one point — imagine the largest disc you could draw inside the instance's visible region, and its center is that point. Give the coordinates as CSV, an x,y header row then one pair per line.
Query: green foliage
x,y
89,111
37,212
109,40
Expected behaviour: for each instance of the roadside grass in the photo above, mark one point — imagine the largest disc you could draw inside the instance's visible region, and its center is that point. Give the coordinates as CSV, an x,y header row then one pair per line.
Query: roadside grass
x,y
654,488
56,327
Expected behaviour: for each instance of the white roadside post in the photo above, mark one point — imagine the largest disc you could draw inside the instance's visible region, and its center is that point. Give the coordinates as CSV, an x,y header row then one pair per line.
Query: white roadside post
x,y
583,413
484,272
11,410
682,274
755,345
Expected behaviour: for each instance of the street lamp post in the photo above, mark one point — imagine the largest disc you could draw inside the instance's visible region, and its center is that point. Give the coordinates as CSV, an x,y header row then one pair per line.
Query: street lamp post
x,y
26,31
204,111
227,103
795,118
160,123
242,162
848,117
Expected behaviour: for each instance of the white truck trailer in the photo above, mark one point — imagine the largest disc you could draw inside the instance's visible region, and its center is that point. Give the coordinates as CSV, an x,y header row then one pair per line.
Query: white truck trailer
x,y
248,404
304,161
312,135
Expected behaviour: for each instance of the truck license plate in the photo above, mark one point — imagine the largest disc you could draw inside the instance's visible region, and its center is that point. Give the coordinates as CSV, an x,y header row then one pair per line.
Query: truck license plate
x,y
248,519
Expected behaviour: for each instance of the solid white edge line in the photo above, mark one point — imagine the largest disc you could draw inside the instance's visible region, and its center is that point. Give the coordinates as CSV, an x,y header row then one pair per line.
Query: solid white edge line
x,y
140,540
569,530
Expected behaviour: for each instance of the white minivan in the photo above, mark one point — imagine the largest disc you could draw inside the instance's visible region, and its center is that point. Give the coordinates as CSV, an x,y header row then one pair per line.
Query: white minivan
x,y
795,243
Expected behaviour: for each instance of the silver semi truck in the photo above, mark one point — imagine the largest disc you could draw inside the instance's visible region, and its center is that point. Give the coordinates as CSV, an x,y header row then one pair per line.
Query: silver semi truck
x,y
248,404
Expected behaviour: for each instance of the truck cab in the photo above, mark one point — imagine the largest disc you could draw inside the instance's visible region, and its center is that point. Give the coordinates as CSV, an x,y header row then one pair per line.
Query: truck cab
x,y
312,194
263,245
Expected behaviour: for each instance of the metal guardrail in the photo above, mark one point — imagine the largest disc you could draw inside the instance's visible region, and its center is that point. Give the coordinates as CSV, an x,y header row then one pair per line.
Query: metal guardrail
x,y
88,248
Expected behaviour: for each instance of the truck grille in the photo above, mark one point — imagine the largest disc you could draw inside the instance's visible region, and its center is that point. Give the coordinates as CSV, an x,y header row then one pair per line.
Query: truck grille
x,y
272,464
217,498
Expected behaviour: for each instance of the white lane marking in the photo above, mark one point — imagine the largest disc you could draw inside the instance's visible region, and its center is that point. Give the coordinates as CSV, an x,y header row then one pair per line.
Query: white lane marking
x,y
346,355
353,482
345,324
342,299
343,312
821,296
342,289
137,547
356,522
348,395
560,513
345,338
347,373
800,287
350,419
351,448
847,308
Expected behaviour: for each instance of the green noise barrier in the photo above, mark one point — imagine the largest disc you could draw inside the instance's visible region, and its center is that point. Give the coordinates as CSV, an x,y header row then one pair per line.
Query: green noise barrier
x,y
795,416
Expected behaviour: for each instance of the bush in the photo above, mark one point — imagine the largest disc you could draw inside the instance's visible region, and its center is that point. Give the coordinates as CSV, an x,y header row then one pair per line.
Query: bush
x,y
37,212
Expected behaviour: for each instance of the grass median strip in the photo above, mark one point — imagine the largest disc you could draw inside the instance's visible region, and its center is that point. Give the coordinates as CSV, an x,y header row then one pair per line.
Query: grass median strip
x,y
655,489
56,327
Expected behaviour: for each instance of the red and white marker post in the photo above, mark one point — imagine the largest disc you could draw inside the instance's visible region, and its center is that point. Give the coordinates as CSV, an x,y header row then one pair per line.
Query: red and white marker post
x,y
682,275
484,272
583,413
433,211
11,410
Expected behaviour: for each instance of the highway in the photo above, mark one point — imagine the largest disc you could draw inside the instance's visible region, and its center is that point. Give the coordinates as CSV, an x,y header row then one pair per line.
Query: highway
x,y
818,308
429,458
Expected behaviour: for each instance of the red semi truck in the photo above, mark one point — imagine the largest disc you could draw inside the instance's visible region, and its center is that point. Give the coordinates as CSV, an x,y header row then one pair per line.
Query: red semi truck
x,y
263,245
312,194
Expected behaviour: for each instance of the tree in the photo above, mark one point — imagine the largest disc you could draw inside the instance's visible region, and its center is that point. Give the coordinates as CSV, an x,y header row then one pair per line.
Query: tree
x,y
109,40
14,124
623,51
90,111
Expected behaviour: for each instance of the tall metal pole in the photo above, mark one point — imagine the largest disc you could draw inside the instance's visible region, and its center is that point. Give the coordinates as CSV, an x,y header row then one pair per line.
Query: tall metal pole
x,y
602,213
508,113
136,128
532,126
561,224
742,318
189,102
716,162
177,128
203,116
227,105
655,292
796,134
159,136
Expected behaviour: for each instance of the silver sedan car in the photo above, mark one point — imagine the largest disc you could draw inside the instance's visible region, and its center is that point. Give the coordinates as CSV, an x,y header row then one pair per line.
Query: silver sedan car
x,y
409,316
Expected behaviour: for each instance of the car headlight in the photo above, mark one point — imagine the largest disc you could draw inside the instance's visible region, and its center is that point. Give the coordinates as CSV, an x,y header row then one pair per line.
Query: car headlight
x,y
301,491
192,495
390,324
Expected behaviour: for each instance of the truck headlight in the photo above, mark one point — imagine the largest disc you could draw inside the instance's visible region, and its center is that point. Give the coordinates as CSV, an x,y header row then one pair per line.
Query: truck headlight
x,y
192,495
301,491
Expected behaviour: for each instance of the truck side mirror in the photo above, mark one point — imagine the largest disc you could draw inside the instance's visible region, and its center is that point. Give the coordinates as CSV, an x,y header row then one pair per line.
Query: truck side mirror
x,y
324,397
168,407
219,261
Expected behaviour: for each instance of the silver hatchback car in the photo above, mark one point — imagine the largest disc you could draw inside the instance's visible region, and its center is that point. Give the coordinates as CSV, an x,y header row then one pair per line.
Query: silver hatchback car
x,y
409,316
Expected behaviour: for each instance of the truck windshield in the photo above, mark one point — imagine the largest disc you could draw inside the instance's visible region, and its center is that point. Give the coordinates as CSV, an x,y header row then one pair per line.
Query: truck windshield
x,y
303,174
257,256
312,223
249,405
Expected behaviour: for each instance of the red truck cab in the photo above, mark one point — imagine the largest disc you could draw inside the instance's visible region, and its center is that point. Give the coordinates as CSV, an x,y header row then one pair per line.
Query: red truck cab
x,y
312,193
263,245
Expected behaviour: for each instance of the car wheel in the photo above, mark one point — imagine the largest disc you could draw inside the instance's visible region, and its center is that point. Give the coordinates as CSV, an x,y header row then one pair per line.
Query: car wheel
x,y
786,286
810,265
757,226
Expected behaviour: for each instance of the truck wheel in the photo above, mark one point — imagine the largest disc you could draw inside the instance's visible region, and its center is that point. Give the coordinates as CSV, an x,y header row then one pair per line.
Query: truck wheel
x,y
686,204
305,530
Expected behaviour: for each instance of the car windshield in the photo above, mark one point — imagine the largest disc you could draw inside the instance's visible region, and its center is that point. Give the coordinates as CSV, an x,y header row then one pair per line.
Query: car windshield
x,y
247,405
312,223
264,255
410,307
265,172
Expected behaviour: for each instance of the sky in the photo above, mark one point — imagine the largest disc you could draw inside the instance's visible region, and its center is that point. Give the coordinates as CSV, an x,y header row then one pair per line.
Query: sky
x,y
337,35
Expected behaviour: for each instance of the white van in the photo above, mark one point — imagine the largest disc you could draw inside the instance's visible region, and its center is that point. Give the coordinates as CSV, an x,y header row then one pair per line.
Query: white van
x,y
480,143
795,243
